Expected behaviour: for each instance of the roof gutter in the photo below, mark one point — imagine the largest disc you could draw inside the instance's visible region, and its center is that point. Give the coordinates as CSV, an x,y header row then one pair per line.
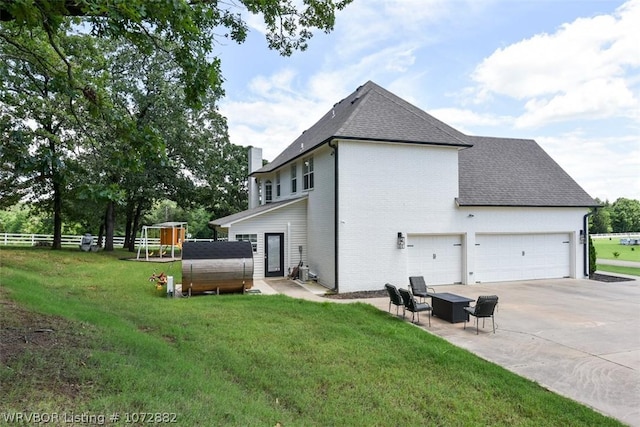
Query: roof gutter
x,y
334,147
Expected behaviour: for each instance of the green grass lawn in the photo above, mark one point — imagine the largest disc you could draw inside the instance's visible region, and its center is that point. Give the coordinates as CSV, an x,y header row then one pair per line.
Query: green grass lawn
x,y
109,342
607,249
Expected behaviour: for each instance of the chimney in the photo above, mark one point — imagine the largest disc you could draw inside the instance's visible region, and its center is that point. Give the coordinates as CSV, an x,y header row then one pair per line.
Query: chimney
x,y
255,163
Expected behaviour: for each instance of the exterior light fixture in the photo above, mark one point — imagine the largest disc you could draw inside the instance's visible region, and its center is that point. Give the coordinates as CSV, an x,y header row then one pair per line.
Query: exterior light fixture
x,y
401,240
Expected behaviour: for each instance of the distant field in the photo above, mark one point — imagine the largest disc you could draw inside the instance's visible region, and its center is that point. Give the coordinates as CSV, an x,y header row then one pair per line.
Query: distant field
x,y
607,249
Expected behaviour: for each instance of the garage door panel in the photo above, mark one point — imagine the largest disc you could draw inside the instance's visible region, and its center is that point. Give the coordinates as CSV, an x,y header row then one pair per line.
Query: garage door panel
x,y
522,256
437,258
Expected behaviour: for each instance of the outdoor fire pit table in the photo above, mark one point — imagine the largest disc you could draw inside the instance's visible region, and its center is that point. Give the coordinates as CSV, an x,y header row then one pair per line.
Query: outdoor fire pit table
x,y
450,307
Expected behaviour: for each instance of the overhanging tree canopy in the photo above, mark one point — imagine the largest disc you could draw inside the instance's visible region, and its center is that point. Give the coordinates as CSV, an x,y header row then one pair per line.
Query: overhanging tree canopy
x,y
193,26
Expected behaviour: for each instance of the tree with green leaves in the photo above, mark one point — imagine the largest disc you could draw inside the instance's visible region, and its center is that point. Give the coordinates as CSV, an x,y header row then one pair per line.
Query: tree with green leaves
x,y
193,27
90,121
600,221
625,215
38,118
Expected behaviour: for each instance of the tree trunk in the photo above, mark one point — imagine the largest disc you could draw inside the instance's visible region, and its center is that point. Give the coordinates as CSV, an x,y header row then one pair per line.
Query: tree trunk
x,y
57,215
57,194
134,230
101,235
109,225
128,224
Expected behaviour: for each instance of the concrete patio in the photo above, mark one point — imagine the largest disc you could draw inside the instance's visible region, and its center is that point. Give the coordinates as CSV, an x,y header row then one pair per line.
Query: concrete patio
x,y
578,338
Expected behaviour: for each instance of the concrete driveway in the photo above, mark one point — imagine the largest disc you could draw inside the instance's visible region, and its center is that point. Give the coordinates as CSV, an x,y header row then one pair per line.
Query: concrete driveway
x,y
578,338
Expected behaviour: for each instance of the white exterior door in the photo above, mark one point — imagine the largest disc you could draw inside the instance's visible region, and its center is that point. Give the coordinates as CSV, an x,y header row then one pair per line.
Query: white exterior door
x,y
510,257
437,258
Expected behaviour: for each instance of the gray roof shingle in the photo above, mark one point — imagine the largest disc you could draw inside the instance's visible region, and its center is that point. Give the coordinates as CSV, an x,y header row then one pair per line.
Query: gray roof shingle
x,y
514,172
371,113
492,171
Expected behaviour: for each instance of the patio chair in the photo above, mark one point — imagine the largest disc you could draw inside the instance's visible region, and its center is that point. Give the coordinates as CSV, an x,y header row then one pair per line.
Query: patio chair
x,y
485,306
419,288
394,298
413,306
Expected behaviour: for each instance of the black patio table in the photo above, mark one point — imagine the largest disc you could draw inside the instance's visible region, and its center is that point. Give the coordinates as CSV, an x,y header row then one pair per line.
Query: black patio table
x,y
450,307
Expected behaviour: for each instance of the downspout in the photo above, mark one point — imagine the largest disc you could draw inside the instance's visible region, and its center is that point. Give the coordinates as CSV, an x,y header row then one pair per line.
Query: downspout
x,y
334,147
585,247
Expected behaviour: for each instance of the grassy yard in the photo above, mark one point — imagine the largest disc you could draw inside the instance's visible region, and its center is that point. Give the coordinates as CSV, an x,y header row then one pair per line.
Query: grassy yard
x,y
607,249
88,333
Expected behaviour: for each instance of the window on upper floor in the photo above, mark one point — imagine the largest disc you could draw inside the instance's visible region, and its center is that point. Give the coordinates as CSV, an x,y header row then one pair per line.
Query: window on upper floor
x,y
307,174
294,178
253,238
278,184
268,192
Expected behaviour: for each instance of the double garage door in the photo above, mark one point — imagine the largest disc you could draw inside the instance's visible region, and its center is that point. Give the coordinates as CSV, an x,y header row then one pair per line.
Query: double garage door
x,y
498,257
505,257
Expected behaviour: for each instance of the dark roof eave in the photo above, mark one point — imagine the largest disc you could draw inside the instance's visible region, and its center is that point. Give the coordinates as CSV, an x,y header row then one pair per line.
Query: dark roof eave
x,y
353,138
509,205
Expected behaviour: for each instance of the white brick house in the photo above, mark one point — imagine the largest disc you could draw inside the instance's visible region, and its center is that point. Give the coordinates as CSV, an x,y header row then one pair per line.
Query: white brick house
x,y
378,190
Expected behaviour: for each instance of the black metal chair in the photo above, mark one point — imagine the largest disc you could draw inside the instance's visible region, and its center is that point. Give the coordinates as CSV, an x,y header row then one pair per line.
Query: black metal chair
x,y
413,306
419,288
394,298
485,307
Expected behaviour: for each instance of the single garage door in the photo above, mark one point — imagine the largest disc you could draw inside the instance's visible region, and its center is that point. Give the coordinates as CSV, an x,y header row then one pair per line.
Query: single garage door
x,y
437,258
506,257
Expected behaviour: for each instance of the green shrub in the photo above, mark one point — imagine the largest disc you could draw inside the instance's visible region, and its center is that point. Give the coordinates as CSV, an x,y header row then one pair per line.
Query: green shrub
x,y
592,258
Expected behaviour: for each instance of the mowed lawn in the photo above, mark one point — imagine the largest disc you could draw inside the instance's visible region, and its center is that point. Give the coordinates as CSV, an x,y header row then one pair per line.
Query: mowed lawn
x,y
87,333
612,249
608,248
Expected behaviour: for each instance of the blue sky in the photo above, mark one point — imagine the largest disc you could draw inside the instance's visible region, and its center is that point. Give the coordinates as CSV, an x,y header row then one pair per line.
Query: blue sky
x,y
565,73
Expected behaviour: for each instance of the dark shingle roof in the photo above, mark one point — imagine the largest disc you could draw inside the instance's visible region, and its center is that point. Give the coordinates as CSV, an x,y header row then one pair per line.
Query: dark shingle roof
x,y
371,113
493,172
514,172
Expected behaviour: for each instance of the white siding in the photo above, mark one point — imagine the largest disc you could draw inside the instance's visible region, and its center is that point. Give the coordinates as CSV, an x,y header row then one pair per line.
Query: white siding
x,y
386,189
321,219
391,188
290,220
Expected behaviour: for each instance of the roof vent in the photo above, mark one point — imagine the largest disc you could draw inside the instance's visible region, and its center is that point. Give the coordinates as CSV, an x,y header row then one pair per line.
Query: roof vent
x,y
333,113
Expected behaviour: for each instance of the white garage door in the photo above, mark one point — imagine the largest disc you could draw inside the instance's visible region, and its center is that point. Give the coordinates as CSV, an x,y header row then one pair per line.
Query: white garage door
x,y
522,257
437,258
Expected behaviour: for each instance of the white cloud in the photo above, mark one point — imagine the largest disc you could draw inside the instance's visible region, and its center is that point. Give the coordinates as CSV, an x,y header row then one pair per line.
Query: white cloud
x,y
283,104
604,167
598,98
587,68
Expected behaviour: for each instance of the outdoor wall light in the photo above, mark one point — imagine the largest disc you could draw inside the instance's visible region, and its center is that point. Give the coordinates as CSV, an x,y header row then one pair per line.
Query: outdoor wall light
x,y
583,240
401,240
470,215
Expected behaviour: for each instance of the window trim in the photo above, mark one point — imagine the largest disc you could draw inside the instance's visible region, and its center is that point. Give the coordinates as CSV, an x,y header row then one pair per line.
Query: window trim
x,y
268,191
247,237
294,178
307,174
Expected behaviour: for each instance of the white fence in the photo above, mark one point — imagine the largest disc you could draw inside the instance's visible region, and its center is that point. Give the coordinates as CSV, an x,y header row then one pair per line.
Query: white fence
x,y
616,236
15,239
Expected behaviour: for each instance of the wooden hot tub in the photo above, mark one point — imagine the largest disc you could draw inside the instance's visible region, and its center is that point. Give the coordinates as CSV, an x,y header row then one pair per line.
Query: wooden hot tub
x,y
218,267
